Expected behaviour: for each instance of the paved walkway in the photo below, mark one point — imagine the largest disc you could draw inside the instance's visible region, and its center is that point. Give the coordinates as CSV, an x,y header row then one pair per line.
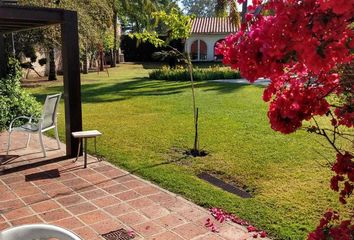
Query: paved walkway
x,y
96,200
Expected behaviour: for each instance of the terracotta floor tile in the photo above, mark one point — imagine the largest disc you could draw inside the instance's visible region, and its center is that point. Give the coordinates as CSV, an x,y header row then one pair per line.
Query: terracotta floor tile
x,y
230,232
124,178
148,228
120,209
45,206
85,172
133,218
55,215
4,225
87,233
95,178
7,195
55,193
127,195
162,197
105,184
106,201
97,193
210,236
113,174
43,182
49,187
165,236
28,190
35,198
155,211
11,204
193,214
140,203
71,200
83,187
171,221
69,223
74,181
106,226
190,230
94,217
104,168
26,220
81,208
18,213
66,176
14,179
148,190
134,184
118,188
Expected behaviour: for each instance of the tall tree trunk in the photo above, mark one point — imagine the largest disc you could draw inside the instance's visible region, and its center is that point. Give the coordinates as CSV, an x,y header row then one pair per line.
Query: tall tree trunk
x,y
85,63
52,71
114,54
101,61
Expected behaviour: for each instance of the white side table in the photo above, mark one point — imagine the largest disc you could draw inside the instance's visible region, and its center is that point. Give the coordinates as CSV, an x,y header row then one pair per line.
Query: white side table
x,y
85,135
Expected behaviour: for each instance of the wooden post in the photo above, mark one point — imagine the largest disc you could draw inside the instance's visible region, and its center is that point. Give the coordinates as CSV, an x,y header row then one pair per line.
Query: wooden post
x,y
3,61
72,86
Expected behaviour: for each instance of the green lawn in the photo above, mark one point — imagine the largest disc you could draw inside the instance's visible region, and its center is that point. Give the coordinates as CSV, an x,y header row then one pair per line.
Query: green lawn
x,y
146,124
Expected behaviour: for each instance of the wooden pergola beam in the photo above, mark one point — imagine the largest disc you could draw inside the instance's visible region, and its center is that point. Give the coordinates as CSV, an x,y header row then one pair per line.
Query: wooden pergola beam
x,y
72,86
28,14
17,18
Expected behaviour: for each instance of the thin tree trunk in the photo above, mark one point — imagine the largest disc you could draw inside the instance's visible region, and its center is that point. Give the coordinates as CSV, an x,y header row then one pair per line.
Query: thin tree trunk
x,y
52,71
195,150
114,54
101,61
85,63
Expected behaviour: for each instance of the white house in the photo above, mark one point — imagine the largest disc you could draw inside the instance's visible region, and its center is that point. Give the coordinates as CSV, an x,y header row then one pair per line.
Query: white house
x,y
205,33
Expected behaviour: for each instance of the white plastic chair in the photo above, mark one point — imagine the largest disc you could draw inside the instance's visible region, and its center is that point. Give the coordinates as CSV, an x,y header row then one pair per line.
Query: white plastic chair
x,y
47,121
37,232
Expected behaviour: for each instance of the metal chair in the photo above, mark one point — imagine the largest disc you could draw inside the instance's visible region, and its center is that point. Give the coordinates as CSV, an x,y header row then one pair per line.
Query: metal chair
x,y
46,122
37,231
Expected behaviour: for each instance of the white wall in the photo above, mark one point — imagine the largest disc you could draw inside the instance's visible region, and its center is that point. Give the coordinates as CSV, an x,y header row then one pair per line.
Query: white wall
x,y
209,39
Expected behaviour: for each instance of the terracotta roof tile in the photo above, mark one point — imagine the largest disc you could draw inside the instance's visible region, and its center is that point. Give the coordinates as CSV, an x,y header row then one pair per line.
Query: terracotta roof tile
x,y
213,25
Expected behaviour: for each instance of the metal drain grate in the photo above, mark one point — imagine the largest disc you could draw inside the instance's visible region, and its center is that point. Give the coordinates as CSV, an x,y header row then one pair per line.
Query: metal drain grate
x,y
223,185
120,234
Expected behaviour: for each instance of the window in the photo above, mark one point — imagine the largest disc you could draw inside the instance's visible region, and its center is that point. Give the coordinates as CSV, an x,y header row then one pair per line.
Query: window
x,y
199,50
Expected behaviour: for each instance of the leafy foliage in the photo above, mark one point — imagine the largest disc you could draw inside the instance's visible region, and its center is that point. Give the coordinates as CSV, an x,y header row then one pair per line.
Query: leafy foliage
x,y
199,74
177,25
200,8
302,47
14,100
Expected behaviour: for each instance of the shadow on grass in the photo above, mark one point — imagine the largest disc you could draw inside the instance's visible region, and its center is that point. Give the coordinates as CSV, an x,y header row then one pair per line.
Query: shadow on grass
x,y
138,87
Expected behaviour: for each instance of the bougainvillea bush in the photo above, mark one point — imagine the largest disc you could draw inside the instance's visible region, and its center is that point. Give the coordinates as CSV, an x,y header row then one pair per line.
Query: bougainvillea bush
x,y
305,47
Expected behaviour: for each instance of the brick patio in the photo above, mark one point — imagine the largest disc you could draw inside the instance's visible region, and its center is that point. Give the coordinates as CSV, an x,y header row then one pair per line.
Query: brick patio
x,y
96,200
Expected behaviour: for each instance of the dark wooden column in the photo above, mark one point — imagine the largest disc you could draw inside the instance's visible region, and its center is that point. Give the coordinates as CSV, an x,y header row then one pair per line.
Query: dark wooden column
x,y
72,91
3,62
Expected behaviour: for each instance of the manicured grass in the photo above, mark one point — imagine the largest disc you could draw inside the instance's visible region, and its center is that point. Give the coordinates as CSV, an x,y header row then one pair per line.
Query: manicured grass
x,y
146,123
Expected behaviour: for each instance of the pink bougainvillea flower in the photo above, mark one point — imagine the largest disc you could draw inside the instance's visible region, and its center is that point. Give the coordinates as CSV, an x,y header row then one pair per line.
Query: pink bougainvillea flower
x,y
251,228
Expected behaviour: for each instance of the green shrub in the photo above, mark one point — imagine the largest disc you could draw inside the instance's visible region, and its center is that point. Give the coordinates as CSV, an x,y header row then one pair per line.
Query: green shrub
x,y
15,101
199,74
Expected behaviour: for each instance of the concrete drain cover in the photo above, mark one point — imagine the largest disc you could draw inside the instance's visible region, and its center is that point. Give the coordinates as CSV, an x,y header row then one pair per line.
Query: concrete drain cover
x,y
120,234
